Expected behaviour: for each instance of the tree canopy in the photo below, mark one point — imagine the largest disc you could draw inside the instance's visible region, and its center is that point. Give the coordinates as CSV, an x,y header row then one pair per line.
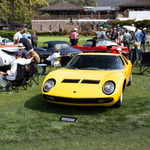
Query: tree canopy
x,y
20,11
80,3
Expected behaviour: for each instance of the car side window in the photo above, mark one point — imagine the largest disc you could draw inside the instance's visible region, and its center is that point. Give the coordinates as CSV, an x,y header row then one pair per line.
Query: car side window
x,y
65,45
58,46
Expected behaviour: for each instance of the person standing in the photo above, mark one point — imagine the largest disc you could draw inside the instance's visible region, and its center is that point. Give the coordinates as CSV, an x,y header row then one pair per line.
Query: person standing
x,y
74,37
26,44
26,34
101,34
17,36
135,54
138,36
143,42
34,40
127,38
114,35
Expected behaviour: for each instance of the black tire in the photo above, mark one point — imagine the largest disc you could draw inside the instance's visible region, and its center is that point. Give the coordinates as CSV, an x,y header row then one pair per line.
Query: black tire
x,y
119,102
130,80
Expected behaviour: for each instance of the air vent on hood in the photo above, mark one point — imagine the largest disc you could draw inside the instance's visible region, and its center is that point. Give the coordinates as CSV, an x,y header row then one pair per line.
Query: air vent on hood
x,y
70,81
90,81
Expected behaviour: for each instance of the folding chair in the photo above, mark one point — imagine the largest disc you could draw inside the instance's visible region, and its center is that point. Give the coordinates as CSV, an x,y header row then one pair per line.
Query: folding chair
x,y
145,63
33,75
19,80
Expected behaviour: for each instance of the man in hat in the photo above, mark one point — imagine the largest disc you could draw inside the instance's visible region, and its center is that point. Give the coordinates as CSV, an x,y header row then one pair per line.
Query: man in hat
x,y
11,74
24,52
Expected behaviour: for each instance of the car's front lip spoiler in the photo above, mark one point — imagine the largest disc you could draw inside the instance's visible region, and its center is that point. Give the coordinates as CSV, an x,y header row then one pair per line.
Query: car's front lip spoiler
x,y
78,101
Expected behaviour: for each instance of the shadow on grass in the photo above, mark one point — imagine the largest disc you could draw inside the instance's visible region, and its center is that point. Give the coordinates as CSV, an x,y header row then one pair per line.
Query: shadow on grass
x,y
39,104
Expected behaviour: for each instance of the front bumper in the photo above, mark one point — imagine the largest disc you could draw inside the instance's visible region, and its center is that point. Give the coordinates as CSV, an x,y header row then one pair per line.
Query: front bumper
x,y
80,102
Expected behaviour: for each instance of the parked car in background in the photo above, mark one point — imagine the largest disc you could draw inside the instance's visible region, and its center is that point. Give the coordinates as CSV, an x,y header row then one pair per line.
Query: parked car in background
x,y
5,41
48,48
89,79
102,45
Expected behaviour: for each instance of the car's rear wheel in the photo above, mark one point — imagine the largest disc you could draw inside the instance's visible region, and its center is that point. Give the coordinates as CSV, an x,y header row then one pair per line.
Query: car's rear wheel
x,y
119,102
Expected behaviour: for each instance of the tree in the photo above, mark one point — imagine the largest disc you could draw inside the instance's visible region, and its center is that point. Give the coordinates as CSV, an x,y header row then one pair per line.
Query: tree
x,y
20,11
80,3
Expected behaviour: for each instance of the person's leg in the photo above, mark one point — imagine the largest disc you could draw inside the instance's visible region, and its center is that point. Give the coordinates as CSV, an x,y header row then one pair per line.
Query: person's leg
x,y
2,81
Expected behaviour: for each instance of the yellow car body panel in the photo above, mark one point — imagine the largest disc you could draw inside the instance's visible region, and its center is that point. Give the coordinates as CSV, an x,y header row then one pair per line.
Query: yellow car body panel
x,y
90,89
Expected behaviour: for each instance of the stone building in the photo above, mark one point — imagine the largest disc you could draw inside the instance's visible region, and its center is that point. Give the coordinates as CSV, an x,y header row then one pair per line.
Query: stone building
x,y
65,16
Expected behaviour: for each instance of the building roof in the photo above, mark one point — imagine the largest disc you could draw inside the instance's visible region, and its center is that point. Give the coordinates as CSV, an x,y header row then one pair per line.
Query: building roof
x,y
103,8
136,3
110,2
61,6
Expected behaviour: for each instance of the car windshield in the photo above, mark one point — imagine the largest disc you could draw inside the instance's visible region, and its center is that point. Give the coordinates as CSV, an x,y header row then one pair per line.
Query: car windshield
x,y
106,43
45,45
96,62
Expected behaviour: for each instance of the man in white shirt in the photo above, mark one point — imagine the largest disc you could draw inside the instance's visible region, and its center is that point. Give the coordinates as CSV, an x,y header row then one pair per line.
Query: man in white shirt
x,y
53,58
17,36
11,74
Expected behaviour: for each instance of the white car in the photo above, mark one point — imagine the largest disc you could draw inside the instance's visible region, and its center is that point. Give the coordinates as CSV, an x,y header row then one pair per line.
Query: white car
x,y
6,55
100,42
5,41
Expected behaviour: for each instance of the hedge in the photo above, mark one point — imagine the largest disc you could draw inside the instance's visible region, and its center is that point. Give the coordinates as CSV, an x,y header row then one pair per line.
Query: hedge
x,y
7,34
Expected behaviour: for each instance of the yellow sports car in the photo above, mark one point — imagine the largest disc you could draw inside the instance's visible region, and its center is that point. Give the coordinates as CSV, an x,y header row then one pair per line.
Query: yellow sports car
x,y
89,79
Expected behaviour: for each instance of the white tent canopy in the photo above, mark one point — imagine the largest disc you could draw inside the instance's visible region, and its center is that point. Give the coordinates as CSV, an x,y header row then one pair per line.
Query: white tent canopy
x,y
130,28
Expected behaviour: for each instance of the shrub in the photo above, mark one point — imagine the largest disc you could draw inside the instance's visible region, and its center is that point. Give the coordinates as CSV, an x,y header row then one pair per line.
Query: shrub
x,y
7,34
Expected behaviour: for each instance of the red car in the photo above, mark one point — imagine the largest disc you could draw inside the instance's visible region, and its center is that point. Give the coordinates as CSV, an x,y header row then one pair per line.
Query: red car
x,y
103,45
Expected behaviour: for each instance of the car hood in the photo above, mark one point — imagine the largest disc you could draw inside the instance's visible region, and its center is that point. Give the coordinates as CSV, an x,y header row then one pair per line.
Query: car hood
x,y
85,74
85,83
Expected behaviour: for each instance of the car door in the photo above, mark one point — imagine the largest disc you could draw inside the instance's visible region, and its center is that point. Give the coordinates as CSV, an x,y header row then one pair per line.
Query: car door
x,y
127,67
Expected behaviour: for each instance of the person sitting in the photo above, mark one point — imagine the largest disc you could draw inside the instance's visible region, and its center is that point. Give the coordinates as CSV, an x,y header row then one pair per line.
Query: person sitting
x,y
53,58
11,74
24,52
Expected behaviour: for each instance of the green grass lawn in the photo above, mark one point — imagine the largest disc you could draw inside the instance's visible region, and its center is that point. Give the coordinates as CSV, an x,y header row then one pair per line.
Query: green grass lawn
x,y
41,39
28,122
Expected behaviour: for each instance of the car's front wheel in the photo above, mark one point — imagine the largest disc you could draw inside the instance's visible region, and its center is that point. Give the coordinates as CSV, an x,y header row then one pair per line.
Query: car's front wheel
x,y
130,80
119,102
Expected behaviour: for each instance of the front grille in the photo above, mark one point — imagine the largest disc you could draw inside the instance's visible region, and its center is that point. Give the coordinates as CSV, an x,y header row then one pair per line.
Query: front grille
x,y
78,101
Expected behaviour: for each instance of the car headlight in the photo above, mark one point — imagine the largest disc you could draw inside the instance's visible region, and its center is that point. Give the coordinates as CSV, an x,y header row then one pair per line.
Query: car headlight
x,y
108,87
49,84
